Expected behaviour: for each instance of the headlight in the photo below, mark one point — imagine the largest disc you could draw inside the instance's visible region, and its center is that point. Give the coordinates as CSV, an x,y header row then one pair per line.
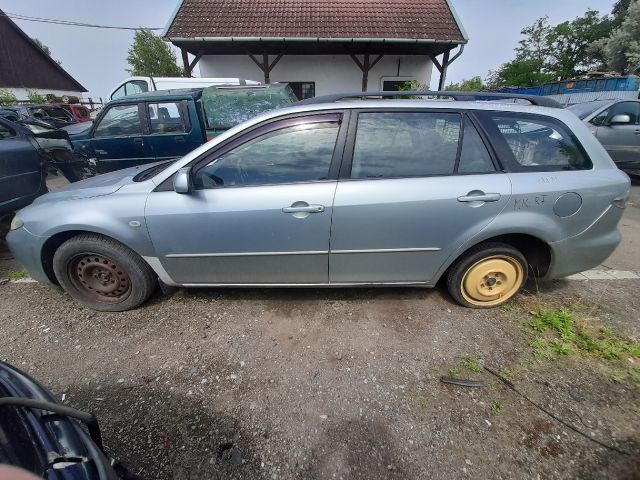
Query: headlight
x,y
16,223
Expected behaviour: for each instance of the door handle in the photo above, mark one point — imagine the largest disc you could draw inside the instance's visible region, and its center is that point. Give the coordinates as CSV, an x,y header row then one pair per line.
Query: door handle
x,y
637,132
179,139
304,209
139,141
103,153
477,196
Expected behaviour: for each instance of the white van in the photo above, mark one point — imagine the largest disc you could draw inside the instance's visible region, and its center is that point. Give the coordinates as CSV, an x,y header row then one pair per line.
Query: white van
x,y
133,85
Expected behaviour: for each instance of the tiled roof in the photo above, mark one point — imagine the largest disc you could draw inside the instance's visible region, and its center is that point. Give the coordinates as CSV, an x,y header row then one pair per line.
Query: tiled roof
x,y
401,19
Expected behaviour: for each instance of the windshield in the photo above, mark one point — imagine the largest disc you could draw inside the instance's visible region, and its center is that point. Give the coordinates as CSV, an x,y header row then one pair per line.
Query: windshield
x,y
583,110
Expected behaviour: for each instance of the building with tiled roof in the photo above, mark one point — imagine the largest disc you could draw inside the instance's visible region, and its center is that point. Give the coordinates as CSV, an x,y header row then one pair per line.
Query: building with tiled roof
x,y
318,46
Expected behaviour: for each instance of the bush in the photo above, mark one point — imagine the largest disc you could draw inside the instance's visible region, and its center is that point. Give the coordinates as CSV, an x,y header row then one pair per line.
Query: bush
x,y
35,97
7,98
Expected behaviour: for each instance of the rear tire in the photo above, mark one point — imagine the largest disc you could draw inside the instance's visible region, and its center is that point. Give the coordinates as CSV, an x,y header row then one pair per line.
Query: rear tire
x,y
103,274
488,275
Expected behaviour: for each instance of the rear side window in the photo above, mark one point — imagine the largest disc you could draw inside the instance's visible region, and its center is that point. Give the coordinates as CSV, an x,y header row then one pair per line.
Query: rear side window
x,y
166,118
405,144
474,156
537,143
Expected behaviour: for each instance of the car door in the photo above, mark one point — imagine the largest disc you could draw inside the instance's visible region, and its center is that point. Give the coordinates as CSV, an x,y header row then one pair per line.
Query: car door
x,y
21,168
171,133
622,141
260,210
118,138
414,186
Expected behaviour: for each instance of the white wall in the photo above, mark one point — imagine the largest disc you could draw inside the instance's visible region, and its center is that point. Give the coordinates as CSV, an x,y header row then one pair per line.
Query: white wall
x,y
22,93
331,73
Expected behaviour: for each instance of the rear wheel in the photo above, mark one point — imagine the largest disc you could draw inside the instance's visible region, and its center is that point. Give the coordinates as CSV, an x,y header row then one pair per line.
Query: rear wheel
x,y
103,274
487,276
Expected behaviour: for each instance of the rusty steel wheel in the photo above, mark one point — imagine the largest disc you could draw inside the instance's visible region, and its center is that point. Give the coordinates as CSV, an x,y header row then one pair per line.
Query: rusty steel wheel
x,y
101,277
103,274
488,275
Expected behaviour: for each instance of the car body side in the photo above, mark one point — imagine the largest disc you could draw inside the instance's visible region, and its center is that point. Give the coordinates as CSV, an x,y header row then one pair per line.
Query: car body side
x,y
527,216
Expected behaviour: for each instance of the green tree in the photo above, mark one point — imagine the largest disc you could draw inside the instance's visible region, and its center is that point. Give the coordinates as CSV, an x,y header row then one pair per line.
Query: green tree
x,y
621,51
149,56
473,84
45,49
519,73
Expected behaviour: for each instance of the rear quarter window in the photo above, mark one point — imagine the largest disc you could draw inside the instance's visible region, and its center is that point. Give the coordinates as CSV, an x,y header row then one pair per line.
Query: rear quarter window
x,y
529,142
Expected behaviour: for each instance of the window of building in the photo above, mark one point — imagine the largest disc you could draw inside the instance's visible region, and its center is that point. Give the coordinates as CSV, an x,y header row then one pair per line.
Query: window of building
x,y
303,90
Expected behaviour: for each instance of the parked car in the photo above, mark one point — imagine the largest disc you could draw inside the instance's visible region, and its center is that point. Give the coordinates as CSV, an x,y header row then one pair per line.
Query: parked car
x,y
342,193
616,123
78,112
40,435
164,125
136,85
53,115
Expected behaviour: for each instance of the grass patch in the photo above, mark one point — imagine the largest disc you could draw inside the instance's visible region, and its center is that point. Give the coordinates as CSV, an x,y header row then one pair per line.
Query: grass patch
x,y
455,372
565,335
496,407
471,364
17,274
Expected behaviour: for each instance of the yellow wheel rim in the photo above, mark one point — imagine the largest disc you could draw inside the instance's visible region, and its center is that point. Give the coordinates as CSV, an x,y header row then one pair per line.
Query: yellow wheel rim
x,y
492,281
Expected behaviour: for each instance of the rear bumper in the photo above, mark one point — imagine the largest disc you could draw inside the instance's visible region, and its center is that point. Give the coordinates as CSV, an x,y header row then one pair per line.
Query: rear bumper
x,y
27,248
589,248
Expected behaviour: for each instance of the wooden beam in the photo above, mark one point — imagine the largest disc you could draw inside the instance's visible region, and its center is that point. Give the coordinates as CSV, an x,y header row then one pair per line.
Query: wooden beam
x,y
195,61
443,72
185,62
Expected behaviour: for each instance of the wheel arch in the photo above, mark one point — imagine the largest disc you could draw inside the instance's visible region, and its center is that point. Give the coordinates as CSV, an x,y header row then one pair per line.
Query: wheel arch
x,y
536,251
53,243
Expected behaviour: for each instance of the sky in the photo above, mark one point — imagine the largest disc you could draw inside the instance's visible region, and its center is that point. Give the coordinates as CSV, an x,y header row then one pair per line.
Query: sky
x,y
97,57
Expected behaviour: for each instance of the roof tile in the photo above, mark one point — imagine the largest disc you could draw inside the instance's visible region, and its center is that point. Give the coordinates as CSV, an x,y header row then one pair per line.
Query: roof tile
x,y
406,19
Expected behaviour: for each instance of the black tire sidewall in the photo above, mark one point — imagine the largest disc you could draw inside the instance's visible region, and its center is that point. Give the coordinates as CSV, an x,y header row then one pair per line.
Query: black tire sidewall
x,y
458,270
141,276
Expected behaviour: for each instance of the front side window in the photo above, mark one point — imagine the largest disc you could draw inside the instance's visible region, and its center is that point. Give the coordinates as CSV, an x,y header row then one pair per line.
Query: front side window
x,y
165,118
539,143
405,144
136,86
119,120
626,108
300,153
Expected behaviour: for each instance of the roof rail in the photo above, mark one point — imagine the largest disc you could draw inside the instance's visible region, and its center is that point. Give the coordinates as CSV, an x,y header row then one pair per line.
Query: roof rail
x,y
459,96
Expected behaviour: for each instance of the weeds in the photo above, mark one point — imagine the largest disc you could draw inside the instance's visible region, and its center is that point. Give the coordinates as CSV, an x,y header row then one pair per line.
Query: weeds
x,y
17,275
455,372
471,364
496,407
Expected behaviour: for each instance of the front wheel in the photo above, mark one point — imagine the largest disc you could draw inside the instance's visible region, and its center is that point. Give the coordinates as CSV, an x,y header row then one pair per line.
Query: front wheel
x,y
103,274
487,276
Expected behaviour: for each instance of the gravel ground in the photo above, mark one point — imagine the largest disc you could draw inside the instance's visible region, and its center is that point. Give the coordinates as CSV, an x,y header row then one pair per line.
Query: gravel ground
x,y
261,384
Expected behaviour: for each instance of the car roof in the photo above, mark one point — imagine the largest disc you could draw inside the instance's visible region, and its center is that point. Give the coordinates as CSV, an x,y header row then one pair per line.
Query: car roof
x,y
177,93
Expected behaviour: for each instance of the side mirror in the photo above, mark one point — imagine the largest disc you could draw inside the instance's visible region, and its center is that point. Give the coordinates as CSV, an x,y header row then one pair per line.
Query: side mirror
x,y
182,182
620,119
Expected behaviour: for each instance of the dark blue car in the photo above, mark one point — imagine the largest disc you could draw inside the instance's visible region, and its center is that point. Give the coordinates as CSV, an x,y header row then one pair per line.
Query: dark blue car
x,y
44,437
22,167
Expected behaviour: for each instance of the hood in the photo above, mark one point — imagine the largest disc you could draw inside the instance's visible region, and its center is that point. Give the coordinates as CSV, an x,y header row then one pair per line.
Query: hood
x,y
97,186
78,130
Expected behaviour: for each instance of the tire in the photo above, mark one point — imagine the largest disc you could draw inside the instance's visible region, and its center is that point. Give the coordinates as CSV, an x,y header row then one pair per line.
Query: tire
x,y
103,274
488,275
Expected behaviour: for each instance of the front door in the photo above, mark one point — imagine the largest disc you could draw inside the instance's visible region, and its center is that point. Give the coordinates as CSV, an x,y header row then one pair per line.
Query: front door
x,y
118,138
260,212
622,141
21,168
411,196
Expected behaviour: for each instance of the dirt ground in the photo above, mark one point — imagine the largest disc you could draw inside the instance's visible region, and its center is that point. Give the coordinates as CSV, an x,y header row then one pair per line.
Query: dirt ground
x,y
345,384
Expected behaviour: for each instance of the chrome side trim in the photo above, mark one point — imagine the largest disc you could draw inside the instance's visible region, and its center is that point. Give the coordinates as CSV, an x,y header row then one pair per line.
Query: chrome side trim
x,y
278,285
157,267
388,250
245,254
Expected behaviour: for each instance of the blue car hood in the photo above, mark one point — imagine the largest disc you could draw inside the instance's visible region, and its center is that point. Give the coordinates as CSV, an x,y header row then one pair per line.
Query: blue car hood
x,y
97,186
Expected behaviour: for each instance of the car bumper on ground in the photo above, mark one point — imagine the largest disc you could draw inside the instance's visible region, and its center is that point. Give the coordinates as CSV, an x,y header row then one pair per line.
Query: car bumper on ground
x,y
27,248
589,248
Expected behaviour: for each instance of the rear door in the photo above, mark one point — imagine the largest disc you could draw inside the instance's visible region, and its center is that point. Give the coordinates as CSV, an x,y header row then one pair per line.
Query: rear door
x,y
622,141
414,186
171,133
21,168
118,138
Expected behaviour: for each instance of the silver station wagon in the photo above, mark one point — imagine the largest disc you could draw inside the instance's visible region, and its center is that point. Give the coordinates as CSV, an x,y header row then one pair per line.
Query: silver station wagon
x,y
480,194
